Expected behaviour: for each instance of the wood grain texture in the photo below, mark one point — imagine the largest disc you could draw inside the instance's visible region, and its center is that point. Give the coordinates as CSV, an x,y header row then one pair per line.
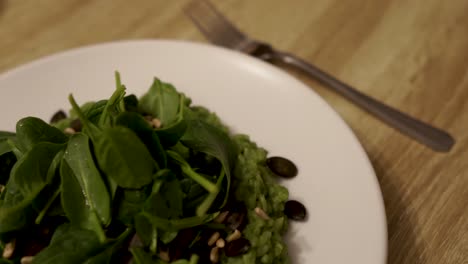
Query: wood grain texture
x,y
412,55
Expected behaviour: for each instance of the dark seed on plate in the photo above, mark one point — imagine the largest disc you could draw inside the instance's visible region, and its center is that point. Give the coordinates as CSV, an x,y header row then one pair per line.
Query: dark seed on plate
x,y
237,247
59,115
295,210
76,125
282,167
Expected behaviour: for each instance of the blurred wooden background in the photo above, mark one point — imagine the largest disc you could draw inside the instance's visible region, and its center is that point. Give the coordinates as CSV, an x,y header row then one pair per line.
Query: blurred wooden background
x,y
412,55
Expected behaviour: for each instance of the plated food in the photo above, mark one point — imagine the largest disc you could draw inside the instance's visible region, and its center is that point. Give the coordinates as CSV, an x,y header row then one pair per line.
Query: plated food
x,y
150,180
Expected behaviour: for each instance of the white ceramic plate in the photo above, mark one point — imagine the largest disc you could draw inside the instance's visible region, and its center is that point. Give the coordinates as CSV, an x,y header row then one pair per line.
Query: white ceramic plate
x,y
336,181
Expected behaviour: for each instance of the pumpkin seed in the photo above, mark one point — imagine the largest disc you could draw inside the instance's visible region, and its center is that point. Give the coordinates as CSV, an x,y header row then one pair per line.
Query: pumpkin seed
x,y
282,167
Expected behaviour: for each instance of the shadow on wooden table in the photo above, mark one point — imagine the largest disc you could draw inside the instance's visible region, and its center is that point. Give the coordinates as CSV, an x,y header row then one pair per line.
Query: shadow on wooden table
x,y
3,4
404,247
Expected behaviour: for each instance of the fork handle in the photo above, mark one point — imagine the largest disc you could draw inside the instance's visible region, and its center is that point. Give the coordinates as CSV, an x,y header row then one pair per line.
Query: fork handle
x,y
428,135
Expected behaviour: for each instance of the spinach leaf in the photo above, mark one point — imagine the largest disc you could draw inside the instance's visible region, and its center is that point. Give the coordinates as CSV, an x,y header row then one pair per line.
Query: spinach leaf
x,y
140,256
209,200
208,139
32,130
166,236
114,105
131,103
89,128
190,172
111,186
178,224
118,152
6,134
49,188
12,142
105,257
30,173
63,124
71,245
74,202
145,132
47,206
4,146
93,110
194,195
16,216
7,161
170,135
122,156
130,202
162,101
165,103
147,232
166,200
80,160
28,178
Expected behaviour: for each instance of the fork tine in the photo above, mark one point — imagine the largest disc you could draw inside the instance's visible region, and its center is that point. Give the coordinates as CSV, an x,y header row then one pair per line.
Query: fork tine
x,y
214,26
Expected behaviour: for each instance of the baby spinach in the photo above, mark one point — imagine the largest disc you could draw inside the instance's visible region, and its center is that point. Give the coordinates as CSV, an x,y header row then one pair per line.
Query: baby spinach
x,y
131,103
105,257
30,173
117,177
203,137
140,256
161,101
51,173
15,215
190,172
63,124
147,232
145,132
114,105
12,142
75,203
166,201
32,130
70,244
47,206
91,129
171,134
178,224
204,206
94,191
130,202
6,134
92,111
7,160
28,178
122,156
165,103
4,146
119,152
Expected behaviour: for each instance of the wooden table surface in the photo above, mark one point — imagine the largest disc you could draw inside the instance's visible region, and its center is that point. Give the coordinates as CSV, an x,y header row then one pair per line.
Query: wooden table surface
x,y
412,55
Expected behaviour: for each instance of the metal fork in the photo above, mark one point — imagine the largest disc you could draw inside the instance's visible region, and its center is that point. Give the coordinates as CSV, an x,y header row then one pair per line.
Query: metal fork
x,y
218,30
